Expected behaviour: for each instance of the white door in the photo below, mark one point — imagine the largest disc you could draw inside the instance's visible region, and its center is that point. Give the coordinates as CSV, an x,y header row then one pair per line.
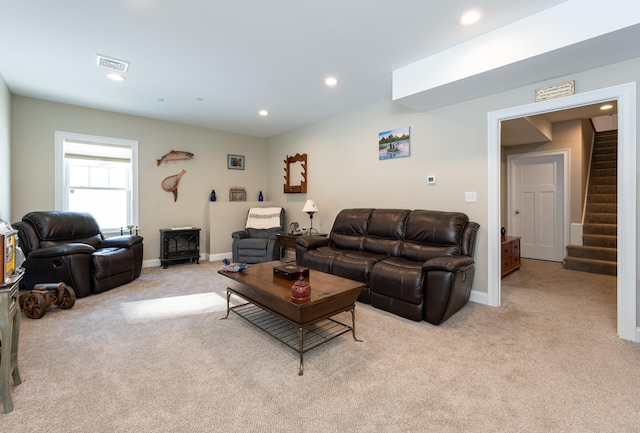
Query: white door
x,y
536,203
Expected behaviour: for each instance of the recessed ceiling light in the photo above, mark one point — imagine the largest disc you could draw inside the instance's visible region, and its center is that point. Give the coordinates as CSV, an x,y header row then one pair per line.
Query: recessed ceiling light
x,y
115,76
331,81
470,17
263,113
606,107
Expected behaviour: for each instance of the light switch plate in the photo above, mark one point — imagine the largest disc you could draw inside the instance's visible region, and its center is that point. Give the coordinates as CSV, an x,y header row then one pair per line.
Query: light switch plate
x,y
431,180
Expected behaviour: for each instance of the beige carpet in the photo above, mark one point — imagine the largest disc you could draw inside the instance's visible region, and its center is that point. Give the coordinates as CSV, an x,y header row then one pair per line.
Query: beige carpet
x,y
154,356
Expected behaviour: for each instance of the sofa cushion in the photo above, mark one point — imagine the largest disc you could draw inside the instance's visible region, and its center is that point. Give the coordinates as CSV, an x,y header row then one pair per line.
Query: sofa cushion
x,y
94,241
110,261
112,267
355,265
320,259
433,234
350,228
60,226
385,231
263,233
399,278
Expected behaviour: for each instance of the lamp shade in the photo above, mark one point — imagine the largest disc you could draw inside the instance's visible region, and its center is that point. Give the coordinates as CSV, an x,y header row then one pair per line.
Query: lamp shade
x,y
310,207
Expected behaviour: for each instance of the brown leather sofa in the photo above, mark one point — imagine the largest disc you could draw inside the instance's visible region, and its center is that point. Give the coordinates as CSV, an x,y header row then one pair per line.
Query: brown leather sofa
x,y
416,264
69,247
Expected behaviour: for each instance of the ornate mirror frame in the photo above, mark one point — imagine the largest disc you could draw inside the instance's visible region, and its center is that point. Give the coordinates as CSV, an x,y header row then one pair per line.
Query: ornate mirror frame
x,y
290,163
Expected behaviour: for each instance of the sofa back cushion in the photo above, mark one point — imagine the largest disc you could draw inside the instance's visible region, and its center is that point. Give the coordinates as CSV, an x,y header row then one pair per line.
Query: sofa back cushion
x,y
432,234
58,227
385,231
350,228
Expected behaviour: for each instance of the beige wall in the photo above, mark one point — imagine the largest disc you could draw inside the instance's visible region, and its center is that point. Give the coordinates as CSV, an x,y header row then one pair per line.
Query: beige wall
x,y
344,170
34,124
449,142
5,151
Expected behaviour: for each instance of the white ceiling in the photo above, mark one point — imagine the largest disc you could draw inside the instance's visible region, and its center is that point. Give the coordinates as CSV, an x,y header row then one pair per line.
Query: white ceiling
x,y
239,57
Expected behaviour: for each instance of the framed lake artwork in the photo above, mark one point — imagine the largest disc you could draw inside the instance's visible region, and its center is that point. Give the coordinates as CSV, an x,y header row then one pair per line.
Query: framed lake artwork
x,y
395,143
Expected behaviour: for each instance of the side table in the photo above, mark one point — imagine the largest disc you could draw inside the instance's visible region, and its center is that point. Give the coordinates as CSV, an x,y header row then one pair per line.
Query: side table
x,y
10,329
510,254
287,240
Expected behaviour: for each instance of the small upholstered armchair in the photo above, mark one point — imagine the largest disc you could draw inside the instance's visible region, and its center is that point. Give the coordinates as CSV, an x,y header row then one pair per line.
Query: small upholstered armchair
x,y
258,243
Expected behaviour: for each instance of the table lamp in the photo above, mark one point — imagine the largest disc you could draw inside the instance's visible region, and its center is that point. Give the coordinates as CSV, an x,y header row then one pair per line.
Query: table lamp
x,y
310,208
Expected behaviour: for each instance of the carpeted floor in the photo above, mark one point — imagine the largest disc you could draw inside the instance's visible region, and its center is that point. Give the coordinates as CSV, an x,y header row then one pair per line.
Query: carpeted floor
x,y
154,356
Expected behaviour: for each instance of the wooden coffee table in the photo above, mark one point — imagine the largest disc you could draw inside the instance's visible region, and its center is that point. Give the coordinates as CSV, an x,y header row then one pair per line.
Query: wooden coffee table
x,y
301,325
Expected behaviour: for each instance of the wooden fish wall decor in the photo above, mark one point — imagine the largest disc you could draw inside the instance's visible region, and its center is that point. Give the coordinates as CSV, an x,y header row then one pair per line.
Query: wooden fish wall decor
x,y
170,184
174,155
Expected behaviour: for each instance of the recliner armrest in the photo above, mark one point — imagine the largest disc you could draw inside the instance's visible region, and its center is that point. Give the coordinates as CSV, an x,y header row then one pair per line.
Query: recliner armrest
x,y
62,250
313,242
447,263
241,234
123,241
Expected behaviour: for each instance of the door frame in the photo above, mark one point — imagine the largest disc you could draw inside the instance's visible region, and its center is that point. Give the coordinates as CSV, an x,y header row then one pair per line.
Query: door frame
x,y
625,94
564,208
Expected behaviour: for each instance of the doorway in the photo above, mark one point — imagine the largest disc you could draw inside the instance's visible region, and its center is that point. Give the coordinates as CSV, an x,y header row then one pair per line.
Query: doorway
x,y
625,95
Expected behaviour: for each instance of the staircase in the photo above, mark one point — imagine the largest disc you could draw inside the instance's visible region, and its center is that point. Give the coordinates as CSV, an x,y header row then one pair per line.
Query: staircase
x,y
598,252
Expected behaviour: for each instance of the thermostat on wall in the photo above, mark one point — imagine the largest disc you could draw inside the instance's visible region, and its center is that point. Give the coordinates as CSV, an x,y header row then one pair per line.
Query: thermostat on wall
x,y
431,180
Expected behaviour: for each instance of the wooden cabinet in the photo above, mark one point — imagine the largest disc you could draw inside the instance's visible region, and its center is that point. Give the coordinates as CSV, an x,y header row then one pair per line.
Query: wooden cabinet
x,y
510,255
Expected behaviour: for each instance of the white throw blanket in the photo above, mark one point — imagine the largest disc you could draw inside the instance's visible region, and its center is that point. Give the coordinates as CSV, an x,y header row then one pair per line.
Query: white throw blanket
x,y
263,217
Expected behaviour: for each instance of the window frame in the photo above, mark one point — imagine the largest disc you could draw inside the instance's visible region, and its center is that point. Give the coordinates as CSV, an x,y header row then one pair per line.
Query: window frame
x,y
61,170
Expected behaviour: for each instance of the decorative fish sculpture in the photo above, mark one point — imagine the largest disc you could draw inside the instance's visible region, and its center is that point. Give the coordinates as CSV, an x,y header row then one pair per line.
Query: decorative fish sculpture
x,y
174,155
170,184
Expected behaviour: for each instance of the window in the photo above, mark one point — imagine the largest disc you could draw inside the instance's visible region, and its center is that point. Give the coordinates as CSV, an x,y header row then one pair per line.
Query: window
x,y
98,175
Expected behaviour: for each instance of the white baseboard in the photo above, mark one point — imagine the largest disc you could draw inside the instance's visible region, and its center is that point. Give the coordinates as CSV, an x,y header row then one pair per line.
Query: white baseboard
x,y
219,256
150,263
479,297
576,234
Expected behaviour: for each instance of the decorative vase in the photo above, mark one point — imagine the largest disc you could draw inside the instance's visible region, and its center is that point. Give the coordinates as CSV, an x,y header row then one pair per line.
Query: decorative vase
x,y
301,290
503,232
260,197
212,197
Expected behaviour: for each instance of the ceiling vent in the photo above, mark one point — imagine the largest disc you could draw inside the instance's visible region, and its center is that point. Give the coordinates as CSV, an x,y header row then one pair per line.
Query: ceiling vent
x,y
112,64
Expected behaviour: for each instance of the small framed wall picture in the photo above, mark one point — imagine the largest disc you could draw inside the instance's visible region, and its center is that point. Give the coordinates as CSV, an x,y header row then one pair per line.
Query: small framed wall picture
x,y
235,162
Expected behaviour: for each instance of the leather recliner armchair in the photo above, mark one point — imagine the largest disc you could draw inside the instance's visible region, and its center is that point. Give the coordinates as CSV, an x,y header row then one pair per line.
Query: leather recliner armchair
x,y
258,243
69,247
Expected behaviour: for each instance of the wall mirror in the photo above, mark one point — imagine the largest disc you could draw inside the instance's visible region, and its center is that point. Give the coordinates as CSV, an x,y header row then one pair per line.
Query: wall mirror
x,y
295,177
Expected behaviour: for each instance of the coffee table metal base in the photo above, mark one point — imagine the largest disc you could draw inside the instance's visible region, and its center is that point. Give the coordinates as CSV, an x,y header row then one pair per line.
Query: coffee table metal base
x,y
299,338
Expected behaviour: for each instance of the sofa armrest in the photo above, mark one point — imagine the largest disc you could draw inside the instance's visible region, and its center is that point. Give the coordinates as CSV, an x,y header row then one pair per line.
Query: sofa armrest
x,y
447,263
123,241
62,250
241,234
447,286
313,242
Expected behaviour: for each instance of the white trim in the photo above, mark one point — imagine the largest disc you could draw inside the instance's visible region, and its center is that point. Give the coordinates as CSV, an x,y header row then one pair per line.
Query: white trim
x,y
61,136
566,199
625,94
479,297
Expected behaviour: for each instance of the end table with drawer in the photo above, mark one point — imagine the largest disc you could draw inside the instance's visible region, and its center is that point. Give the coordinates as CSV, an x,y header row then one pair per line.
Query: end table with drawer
x,y
288,240
510,254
